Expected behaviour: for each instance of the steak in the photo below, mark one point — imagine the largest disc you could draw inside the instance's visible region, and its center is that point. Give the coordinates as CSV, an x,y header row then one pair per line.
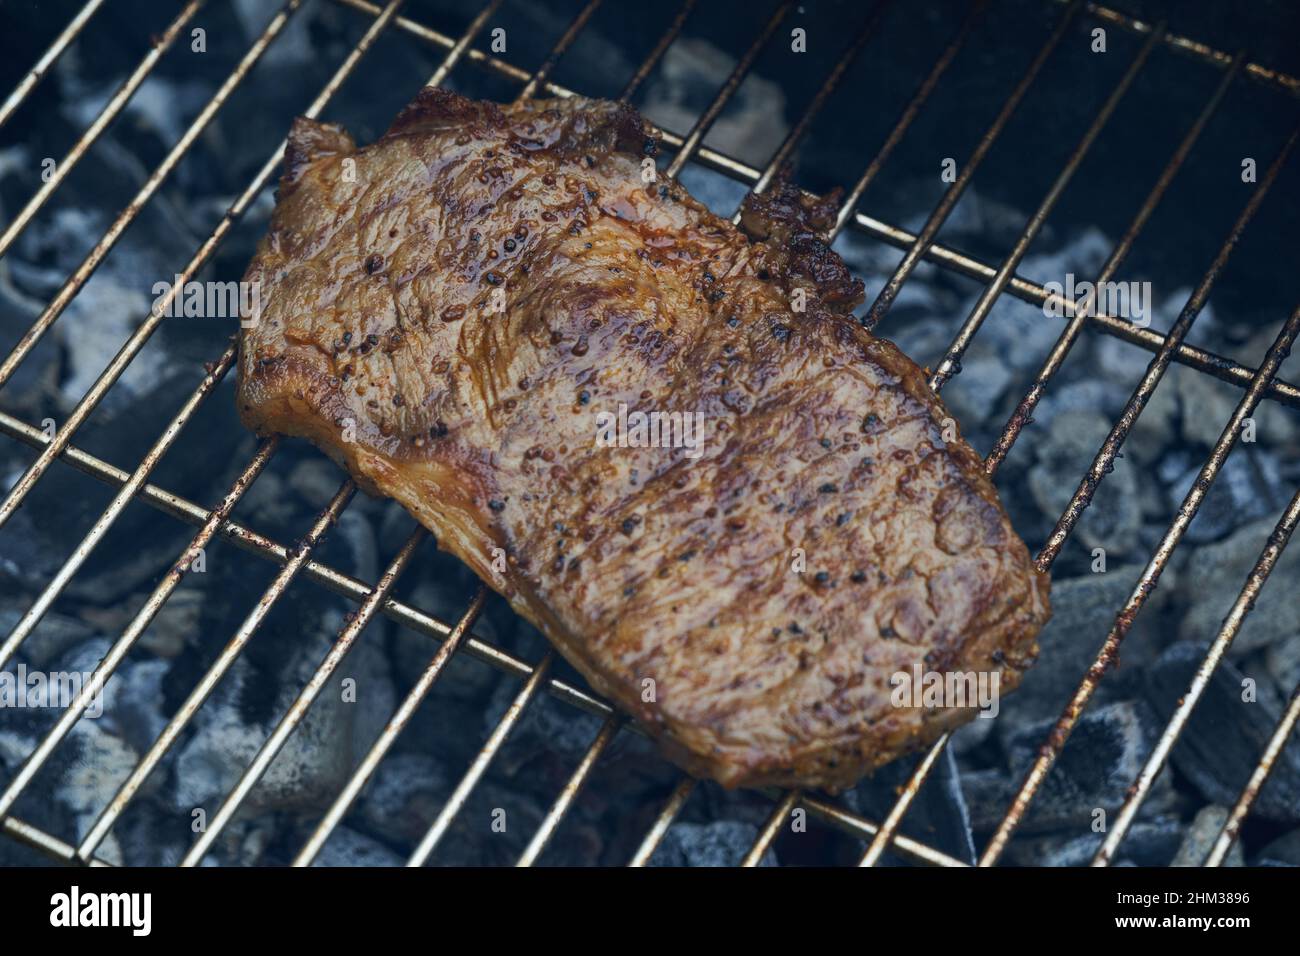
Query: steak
x,y
665,441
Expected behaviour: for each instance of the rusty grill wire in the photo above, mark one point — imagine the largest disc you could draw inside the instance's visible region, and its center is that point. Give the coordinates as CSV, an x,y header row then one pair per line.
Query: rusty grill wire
x,y
1257,384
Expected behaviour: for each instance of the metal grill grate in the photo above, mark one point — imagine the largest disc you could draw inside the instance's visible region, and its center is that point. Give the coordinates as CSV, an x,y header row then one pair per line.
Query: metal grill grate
x,y
1257,384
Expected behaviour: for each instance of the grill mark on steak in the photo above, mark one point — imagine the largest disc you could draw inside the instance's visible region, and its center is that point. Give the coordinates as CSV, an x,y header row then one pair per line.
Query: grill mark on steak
x,y
639,563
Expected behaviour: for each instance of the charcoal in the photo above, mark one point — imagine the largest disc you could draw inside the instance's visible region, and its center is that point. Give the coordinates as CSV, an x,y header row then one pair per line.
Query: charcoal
x,y
142,541
1284,851
1220,570
132,696
95,758
404,797
1083,609
347,847
973,396
99,319
464,680
987,793
131,708
353,530
632,769
917,314
259,688
712,802
174,626
1089,397
983,216
102,764
443,588
1201,836
1126,362
1174,464
33,390
1282,659
495,825
1157,427
54,636
305,773
51,247
971,736
547,726
1225,736
136,566
245,841
27,562
118,296
689,76
1155,513
394,527
1022,334
938,816
1101,759
923,327
949,826
1147,843
315,480
1062,455
1249,486
721,843
1208,404
292,49
1276,424
21,730
267,503
150,834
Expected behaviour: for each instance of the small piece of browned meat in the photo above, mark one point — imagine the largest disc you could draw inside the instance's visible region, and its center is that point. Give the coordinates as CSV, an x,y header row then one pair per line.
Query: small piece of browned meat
x,y
469,314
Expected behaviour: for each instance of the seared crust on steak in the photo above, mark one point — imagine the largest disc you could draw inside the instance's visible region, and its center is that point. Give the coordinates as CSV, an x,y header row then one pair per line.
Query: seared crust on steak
x,y
448,311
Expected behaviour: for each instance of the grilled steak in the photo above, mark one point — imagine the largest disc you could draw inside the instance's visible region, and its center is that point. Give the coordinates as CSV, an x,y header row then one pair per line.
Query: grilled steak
x,y
664,440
